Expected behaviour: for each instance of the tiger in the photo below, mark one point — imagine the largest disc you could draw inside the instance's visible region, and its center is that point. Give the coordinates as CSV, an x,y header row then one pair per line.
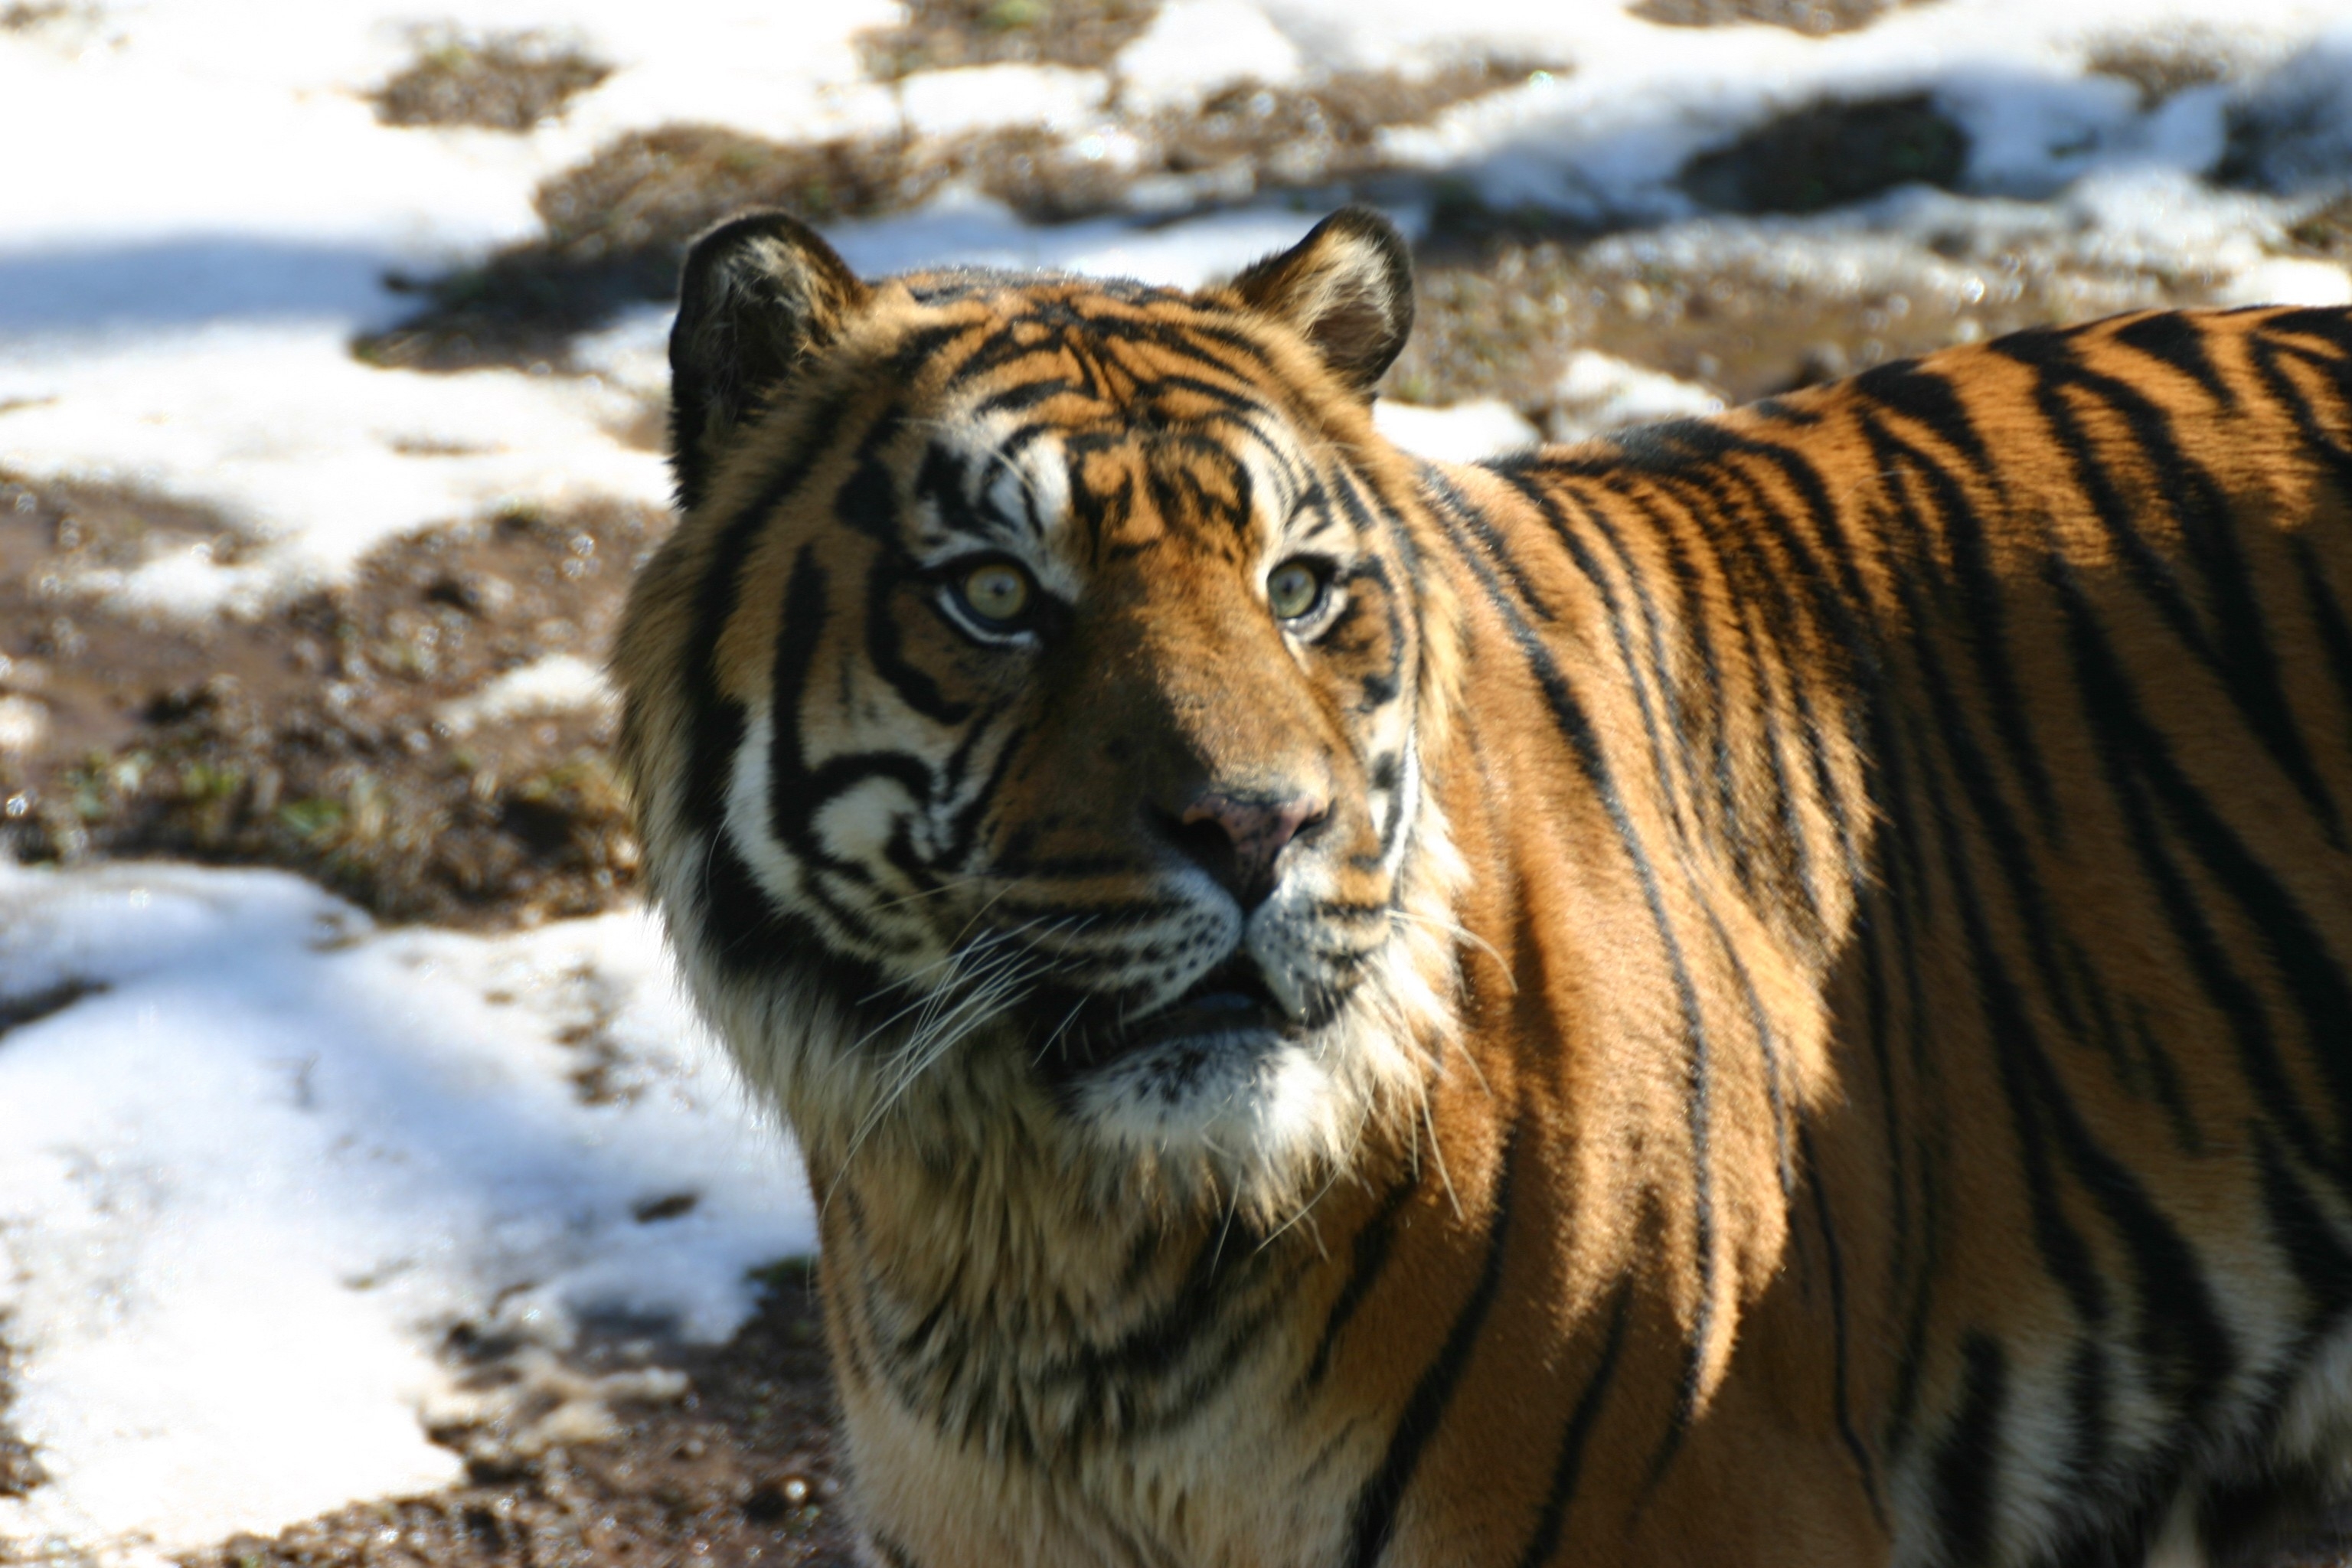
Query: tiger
x,y
1773,989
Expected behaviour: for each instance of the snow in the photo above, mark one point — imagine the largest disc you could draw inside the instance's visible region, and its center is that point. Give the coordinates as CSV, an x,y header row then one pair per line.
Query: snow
x,y
1196,48
2289,280
558,683
313,455
246,1186
982,97
23,723
1599,392
249,1181
1462,433
1605,138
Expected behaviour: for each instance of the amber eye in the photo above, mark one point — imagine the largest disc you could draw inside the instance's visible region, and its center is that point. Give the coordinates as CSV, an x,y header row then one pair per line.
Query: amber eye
x,y
1293,589
997,592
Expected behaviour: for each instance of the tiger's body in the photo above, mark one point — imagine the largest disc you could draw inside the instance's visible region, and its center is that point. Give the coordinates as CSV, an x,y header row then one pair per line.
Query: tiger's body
x,y
1777,990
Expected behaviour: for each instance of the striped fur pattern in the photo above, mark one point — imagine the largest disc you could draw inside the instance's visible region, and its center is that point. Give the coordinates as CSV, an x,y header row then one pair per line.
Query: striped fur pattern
x,y
1777,990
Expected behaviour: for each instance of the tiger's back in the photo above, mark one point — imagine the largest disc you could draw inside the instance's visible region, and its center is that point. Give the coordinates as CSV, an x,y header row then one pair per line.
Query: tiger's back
x,y
1772,990
2054,632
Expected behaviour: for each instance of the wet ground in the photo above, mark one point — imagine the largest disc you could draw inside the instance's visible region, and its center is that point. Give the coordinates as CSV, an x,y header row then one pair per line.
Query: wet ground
x,y
736,1468
331,735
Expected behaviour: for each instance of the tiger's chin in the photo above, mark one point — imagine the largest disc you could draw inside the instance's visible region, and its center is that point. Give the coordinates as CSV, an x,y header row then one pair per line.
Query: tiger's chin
x,y
1219,1090
1225,1099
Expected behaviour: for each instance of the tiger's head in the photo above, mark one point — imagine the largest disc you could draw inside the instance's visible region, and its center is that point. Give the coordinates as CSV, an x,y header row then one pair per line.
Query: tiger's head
x,y
1026,721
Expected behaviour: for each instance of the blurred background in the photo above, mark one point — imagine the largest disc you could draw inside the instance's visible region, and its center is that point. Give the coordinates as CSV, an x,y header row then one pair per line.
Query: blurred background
x,y
366,1191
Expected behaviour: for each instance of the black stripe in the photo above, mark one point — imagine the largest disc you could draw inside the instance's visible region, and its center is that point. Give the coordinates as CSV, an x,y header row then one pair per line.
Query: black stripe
x,y
2177,340
1372,1520
718,720
1982,606
1841,1350
885,651
2327,620
2238,653
1968,1460
1567,1464
1372,1248
2313,1247
2182,1341
2313,978
1576,726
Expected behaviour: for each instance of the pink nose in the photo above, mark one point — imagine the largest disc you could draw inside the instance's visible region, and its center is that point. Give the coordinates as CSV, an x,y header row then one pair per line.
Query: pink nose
x,y
1238,837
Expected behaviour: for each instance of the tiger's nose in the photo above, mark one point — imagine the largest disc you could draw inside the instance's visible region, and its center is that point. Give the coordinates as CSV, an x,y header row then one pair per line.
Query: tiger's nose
x,y
1237,839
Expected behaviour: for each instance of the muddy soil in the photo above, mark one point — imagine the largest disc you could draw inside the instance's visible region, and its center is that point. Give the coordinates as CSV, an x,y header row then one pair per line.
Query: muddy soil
x,y
501,81
20,1471
330,736
738,1469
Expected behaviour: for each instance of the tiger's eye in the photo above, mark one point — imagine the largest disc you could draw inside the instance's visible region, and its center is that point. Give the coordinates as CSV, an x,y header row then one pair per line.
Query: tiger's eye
x,y
1294,589
996,592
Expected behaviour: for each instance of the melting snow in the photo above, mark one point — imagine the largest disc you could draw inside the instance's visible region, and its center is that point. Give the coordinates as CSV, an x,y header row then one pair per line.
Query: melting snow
x,y
250,1179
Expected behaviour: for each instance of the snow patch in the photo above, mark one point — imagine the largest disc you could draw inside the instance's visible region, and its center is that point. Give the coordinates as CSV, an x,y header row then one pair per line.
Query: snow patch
x,y
1462,433
2289,280
985,98
1599,393
317,457
1193,49
559,683
251,1179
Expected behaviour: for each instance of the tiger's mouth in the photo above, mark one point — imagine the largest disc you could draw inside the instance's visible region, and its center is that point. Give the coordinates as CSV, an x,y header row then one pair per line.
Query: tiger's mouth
x,y
1230,1008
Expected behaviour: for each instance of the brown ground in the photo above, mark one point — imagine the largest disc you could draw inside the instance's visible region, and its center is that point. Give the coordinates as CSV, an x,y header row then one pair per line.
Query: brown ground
x,y
1814,17
739,1471
941,35
615,228
504,82
313,739
20,1472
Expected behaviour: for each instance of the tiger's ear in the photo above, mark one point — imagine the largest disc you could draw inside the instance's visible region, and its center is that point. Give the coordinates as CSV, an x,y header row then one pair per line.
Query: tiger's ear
x,y
758,296
1347,289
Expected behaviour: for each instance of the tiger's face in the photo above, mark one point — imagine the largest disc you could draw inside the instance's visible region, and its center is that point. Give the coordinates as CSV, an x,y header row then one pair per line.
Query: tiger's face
x,y
1077,670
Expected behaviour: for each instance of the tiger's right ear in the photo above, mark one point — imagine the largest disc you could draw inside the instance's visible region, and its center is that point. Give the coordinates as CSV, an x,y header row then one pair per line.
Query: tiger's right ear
x,y
1347,289
759,295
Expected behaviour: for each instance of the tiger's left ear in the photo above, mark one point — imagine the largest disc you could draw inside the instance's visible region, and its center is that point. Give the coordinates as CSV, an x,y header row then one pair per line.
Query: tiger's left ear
x,y
1347,289
757,296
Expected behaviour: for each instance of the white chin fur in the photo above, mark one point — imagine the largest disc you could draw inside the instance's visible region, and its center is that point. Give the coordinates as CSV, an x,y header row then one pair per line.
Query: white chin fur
x,y
1249,1107
1262,1126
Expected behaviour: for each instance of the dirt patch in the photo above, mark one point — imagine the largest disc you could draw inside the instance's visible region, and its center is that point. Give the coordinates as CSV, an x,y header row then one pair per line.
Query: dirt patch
x,y
2160,68
1501,319
740,1470
1829,154
943,33
32,1007
615,228
333,737
20,1470
2325,231
504,82
23,18
1818,17
2287,133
